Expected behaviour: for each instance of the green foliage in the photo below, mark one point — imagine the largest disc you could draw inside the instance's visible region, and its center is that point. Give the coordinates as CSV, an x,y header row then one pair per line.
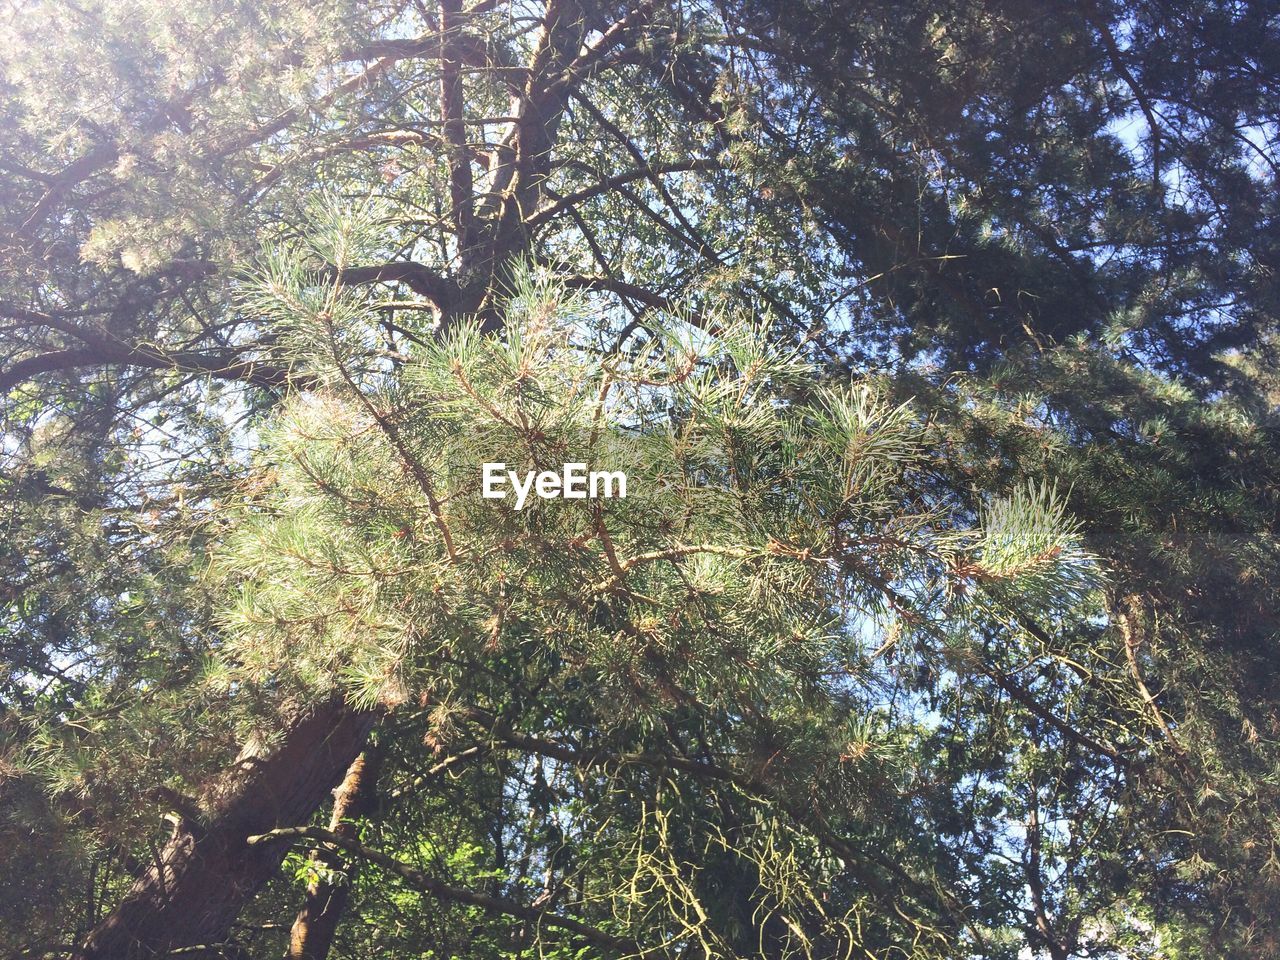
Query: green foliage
x,y
938,341
761,538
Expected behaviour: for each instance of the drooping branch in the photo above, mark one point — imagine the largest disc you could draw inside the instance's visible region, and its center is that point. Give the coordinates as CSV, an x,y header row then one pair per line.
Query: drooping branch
x,y
808,814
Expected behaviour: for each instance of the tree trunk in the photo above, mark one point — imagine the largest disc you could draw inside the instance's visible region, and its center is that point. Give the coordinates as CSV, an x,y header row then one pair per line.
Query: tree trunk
x,y
206,872
317,921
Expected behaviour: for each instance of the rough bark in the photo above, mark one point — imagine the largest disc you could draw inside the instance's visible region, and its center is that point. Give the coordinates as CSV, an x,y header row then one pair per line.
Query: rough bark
x,y
317,921
206,872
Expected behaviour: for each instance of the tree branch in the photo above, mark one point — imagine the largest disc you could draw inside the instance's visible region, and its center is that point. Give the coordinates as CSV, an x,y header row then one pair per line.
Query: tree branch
x,y
418,277
437,888
219,366
461,181
647,172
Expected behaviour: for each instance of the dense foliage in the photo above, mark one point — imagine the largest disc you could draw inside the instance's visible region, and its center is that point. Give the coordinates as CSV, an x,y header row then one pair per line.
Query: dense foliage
x,y
937,341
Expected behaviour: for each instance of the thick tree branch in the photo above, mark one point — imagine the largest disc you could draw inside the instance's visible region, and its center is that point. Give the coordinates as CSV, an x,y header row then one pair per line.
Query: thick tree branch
x,y
204,875
224,366
418,277
317,922
461,182
1118,62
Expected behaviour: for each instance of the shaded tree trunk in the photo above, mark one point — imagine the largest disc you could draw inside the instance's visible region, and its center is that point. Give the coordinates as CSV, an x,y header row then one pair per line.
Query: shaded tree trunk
x,y
317,921
205,873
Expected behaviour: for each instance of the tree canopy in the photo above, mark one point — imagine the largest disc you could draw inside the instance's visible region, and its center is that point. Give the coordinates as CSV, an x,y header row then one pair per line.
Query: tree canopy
x,y
936,341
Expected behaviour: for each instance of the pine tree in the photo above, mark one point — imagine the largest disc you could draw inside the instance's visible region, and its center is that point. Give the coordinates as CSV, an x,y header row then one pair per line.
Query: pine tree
x,y
762,542
1015,262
